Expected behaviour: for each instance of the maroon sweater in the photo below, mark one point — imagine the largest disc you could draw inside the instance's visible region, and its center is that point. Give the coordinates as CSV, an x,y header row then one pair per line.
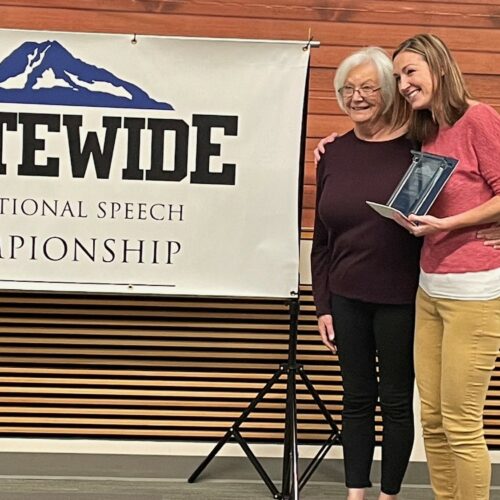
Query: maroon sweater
x,y
356,252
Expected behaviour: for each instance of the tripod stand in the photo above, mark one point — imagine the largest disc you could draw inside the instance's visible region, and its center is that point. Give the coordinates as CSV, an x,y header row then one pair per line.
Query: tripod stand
x,y
292,483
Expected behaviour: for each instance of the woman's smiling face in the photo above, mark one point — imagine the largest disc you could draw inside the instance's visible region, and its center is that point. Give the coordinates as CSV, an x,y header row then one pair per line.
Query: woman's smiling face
x,y
414,79
362,109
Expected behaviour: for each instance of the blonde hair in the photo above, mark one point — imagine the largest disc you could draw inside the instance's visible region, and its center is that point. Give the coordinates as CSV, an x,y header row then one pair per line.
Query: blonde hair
x,y
450,95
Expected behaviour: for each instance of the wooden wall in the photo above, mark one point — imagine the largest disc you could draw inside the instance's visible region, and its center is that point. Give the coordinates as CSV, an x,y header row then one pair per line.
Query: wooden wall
x,y
144,367
470,28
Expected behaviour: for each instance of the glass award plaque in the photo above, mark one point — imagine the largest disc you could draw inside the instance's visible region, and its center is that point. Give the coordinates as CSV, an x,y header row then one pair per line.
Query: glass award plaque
x,y
419,187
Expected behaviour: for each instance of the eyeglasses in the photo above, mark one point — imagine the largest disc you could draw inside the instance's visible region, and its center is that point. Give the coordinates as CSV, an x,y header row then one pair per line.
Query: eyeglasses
x,y
365,91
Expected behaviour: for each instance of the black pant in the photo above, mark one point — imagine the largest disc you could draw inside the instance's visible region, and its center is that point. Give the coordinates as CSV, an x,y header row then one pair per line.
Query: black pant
x,y
363,332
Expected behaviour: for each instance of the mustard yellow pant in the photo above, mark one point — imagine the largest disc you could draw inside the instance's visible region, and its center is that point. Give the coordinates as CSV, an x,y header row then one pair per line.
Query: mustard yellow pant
x,y
456,345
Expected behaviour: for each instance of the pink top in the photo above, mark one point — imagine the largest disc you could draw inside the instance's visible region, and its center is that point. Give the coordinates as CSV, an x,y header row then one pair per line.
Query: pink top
x,y
475,141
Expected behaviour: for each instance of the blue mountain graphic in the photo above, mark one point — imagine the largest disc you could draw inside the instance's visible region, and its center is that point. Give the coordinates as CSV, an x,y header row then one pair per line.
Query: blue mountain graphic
x,y
46,73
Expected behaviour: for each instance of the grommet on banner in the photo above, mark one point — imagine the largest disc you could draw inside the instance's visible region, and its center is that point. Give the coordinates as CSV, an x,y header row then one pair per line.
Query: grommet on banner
x,y
311,44
307,46
134,39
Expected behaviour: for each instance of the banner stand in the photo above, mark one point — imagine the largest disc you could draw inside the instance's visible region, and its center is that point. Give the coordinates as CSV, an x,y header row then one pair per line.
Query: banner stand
x,y
291,483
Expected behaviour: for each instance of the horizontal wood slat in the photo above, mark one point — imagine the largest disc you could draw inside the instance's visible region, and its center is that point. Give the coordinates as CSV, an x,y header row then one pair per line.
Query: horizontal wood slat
x,y
408,13
386,32
84,368
83,381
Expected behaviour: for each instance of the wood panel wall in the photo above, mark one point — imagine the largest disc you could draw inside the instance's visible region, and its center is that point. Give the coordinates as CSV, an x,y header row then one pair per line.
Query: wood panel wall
x,y
470,28
133,367
144,367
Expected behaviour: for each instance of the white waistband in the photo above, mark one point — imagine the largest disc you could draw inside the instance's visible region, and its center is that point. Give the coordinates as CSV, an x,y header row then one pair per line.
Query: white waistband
x,y
481,285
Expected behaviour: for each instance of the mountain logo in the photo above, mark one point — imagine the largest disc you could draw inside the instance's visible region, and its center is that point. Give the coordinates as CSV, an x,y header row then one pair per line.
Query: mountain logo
x,y
47,73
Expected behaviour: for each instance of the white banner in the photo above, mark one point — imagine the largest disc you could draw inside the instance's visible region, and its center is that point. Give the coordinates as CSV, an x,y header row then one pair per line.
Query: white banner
x,y
150,165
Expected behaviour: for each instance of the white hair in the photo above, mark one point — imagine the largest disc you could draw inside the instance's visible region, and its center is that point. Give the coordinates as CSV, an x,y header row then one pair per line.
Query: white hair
x,y
383,64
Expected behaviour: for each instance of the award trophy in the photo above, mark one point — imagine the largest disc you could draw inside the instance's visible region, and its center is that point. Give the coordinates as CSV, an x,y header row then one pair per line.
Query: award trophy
x,y
419,187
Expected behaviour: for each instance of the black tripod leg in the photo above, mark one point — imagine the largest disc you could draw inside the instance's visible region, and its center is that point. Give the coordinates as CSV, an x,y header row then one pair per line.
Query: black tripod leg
x,y
285,478
334,436
317,400
258,467
232,431
313,464
192,478
290,486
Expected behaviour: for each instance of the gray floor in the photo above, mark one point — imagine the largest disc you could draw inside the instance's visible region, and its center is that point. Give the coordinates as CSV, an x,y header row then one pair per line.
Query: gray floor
x,y
77,489
30,476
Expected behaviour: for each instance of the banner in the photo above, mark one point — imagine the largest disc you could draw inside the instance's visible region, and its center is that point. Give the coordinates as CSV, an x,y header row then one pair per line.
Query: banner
x,y
150,164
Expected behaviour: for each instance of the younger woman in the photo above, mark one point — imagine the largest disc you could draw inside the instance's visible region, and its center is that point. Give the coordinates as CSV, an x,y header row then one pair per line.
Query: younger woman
x,y
458,302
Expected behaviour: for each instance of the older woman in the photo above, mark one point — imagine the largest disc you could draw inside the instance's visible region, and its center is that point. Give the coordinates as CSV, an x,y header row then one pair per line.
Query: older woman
x,y
458,303
365,307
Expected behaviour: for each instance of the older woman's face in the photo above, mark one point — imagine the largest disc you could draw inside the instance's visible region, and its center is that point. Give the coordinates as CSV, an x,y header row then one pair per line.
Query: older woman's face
x,y
365,104
414,79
